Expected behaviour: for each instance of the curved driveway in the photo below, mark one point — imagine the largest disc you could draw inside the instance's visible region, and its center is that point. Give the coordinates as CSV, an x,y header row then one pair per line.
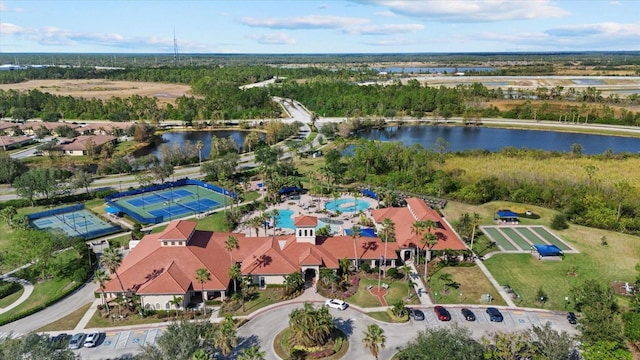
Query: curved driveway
x,y
263,329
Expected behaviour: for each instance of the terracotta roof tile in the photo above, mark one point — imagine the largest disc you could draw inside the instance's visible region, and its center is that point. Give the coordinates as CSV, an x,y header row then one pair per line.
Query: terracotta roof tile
x,y
178,230
306,220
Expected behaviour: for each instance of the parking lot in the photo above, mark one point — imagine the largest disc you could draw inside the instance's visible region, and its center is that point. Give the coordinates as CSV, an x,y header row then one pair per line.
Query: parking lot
x,y
513,320
120,343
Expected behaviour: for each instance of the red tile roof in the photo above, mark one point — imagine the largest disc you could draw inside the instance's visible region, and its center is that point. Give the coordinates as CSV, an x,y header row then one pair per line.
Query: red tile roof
x,y
154,269
304,221
80,142
405,217
180,230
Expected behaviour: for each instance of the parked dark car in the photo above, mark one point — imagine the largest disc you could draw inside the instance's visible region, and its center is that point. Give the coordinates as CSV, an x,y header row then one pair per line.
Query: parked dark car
x,y
442,313
571,317
468,315
416,314
60,341
494,314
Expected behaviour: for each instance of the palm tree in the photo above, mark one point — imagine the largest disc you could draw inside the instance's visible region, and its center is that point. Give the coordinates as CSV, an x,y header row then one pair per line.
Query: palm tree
x,y
430,240
176,302
474,222
374,339
417,228
235,273
201,354
356,233
202,276
356,196
389,229
230,244
199,146
111,259
101,277
255,222
310,326
252,353
225,337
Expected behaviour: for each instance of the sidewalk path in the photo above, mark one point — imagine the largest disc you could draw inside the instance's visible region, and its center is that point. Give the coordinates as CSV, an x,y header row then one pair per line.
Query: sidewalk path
x,y
418,286
88,315
28,289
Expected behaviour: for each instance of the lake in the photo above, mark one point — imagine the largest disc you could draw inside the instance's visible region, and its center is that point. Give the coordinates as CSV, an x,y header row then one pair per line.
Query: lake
x,y
184,137
433,70
493,139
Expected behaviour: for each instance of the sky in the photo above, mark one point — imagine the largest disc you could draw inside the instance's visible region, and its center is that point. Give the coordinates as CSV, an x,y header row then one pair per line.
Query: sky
x,y
325,27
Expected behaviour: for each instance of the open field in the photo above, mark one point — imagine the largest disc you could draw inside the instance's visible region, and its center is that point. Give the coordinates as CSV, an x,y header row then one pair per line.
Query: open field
x,y
526,274
527,168
104,89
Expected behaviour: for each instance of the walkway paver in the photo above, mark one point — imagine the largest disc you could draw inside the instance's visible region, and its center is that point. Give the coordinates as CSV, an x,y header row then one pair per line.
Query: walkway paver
x,y
418,286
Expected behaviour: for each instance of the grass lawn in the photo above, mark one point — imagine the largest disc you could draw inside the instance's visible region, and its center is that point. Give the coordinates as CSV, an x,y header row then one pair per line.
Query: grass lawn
x,y
120,241
472,284
263,298
384,316
98,321
526,275
10,299
42,292
64,264
398,290
68,322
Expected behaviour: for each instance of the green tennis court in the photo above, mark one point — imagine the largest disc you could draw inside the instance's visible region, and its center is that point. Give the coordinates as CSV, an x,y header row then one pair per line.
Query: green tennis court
x,y
521,238
522,243
551,238
172,203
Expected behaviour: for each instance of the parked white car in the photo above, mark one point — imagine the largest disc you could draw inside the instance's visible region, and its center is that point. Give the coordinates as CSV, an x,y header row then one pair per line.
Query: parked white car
x,y
336,304
91,340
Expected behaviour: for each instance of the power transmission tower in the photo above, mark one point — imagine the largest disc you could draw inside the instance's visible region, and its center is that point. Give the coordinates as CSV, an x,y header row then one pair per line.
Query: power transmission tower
x,y
176,59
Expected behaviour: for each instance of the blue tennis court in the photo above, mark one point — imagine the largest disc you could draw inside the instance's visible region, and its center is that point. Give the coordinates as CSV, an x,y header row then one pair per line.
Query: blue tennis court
x,y
75,221
171,201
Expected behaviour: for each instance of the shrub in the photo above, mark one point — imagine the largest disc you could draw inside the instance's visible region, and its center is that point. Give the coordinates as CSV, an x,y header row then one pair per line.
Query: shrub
x,y
392,273
7,288
365,267
321,354
79,275
559,222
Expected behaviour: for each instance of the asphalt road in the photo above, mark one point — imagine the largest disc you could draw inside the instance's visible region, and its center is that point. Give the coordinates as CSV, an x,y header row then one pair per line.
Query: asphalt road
x,y
263,329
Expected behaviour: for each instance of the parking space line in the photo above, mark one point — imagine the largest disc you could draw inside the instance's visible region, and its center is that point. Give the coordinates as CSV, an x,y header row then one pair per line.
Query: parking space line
x,y
482,318
122,344
536,318
511,318
457,316
151,336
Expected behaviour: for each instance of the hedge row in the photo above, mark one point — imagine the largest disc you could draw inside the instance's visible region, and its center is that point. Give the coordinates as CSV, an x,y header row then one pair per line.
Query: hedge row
x,y
7,288
49,302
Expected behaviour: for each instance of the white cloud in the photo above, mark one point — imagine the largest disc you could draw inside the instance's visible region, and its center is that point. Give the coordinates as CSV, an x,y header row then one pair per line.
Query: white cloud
x,y
392,42
5,8
599,36
472,10
52,36
387,13
606,29
273,39
304,22
384,29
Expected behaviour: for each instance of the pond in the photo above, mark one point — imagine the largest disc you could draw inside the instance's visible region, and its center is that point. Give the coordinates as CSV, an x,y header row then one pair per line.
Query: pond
x,y
493,139
183,137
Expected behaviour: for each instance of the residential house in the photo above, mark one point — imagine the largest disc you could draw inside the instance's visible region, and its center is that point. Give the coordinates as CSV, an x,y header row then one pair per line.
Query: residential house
x,y
80,145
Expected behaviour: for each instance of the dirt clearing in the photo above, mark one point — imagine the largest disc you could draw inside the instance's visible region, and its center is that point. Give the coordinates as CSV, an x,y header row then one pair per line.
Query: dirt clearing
x,y
104,89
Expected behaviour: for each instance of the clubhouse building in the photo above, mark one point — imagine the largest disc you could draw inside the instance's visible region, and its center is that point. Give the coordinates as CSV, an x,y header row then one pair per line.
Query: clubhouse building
x,y
164,265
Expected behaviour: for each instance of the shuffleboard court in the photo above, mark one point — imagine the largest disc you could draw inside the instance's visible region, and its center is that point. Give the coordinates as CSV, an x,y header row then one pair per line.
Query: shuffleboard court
x,y
531,236
552,239
502,241
516,238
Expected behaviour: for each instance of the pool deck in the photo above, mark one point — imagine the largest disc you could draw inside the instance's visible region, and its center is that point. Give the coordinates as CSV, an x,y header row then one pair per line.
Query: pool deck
x,y
300,208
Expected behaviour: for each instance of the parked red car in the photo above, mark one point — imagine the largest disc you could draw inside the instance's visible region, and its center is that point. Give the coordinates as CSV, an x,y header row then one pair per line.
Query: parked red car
x,y
442,313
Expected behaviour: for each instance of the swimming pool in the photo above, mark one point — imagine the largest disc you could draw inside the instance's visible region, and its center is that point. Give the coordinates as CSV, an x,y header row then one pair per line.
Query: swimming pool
x,y
346,205
285,220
